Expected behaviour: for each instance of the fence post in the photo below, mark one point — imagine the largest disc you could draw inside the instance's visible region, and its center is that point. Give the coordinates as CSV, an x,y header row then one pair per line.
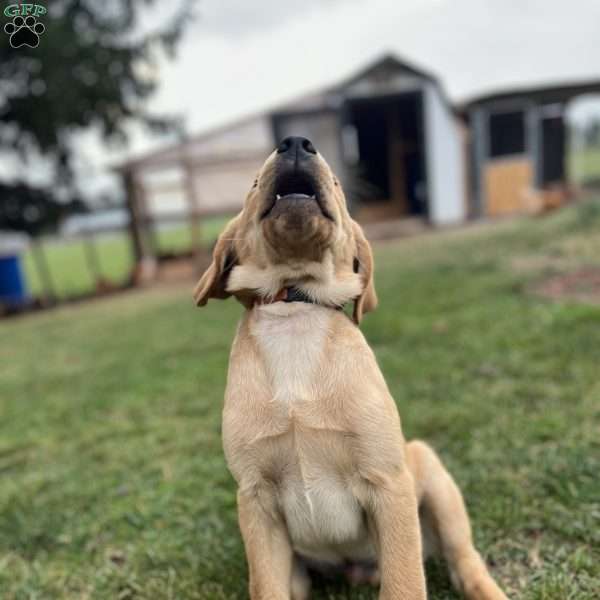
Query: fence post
x,y
143,253
192,198
92,259
43,269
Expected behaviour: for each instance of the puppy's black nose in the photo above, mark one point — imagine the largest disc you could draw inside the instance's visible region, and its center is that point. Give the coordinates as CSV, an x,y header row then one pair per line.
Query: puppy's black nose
x,y
294,146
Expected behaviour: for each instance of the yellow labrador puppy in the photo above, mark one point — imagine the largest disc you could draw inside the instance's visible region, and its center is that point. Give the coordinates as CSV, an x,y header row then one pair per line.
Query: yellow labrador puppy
x,y
310,431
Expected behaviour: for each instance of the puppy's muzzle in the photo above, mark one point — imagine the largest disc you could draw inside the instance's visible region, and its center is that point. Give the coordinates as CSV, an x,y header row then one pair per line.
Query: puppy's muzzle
x,y
296,182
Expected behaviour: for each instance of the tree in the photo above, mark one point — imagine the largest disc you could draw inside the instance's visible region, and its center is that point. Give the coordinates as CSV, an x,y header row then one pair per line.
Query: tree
x,y
90,70
32,210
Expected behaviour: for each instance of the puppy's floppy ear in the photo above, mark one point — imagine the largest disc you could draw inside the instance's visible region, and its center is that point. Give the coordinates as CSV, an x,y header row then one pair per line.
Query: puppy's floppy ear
x,y
214,281
364,266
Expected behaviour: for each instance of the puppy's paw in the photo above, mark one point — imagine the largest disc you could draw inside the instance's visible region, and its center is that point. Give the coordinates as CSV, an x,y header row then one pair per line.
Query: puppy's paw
x,y
483,587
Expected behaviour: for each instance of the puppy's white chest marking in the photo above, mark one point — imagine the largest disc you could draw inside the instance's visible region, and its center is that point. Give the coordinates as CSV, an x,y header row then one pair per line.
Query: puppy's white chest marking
x,y
323,517
324,520
291,338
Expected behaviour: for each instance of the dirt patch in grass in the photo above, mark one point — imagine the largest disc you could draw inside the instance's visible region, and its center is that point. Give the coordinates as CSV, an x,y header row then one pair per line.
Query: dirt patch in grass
x,y
582,285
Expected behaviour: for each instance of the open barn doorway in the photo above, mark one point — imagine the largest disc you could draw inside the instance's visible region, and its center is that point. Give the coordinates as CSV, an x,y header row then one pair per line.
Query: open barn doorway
x,y
384,146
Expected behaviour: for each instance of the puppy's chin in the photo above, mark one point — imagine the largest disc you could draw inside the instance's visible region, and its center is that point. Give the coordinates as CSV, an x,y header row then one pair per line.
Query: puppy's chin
x,y
296,228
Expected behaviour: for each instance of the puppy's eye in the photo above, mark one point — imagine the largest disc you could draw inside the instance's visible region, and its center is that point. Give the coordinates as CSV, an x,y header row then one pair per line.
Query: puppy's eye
x,y
335,182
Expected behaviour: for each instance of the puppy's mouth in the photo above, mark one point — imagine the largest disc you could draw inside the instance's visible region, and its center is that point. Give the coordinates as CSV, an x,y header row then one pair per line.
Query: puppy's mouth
x,y
296,186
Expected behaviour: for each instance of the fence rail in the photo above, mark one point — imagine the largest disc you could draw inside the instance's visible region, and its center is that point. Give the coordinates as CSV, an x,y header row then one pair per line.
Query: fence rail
x,y
100,259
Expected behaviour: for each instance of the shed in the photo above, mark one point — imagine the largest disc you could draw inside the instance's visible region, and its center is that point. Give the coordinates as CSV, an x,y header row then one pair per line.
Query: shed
x,y
391,135
518,148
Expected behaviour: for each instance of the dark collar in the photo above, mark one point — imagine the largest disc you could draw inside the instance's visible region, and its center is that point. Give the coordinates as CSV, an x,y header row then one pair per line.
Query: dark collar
x,y
293,294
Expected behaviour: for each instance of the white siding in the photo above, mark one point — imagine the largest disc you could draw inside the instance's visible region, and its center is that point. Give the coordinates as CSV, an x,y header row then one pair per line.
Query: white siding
x,y
225,164
445,168
224,188
246,137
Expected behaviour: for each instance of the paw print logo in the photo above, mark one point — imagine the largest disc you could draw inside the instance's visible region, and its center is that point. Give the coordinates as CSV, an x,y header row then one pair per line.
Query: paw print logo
x,y
24,32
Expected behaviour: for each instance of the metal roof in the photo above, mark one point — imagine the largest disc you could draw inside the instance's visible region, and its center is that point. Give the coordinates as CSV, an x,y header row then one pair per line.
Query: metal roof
x,y
555,92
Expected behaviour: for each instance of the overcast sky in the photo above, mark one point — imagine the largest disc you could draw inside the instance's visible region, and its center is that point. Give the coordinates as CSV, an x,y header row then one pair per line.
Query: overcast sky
x,y
241,56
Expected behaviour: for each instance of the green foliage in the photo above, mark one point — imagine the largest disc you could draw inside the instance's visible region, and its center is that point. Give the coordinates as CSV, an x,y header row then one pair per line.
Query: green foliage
x,y
112,478
87,71
31,210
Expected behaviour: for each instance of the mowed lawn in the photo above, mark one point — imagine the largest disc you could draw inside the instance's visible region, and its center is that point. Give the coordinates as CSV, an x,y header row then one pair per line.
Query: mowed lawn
x,y
584,165
112,478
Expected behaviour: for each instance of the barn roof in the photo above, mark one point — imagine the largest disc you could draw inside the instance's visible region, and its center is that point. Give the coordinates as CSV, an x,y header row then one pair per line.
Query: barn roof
x,y
328,97
555,92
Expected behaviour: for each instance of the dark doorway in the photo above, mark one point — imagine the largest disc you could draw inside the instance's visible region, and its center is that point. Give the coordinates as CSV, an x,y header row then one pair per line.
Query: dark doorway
x,y
553,150
390,157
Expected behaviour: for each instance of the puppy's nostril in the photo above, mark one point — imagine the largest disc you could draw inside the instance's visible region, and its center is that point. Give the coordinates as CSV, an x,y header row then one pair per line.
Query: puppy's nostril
x,y
296,146
284,146
307,145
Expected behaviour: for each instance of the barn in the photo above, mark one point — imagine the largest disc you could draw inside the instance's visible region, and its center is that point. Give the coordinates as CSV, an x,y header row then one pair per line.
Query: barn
x,y
518,148
389,133
400,148
393,138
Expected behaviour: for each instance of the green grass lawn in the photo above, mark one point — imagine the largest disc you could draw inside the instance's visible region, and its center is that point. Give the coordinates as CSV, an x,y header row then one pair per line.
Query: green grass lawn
x,y
112,478
68,267
70,272
584,165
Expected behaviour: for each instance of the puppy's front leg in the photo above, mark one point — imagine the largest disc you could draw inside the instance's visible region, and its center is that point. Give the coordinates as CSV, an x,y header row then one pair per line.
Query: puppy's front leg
x,y
268,549
395,522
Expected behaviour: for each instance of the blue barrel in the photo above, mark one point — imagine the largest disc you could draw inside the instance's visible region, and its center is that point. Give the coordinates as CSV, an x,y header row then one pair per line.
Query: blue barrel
x,y
13,291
